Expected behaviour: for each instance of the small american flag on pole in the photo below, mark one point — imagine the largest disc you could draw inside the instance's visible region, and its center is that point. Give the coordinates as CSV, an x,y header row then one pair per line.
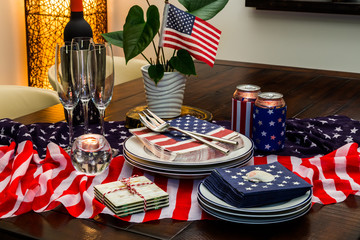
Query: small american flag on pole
x,y
181,30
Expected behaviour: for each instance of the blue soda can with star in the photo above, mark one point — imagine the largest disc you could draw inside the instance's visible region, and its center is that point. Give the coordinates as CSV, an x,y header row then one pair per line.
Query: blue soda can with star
x,y
269,117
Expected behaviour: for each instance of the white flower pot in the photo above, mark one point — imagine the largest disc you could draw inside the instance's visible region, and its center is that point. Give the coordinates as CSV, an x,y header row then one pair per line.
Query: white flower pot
x,y
165,99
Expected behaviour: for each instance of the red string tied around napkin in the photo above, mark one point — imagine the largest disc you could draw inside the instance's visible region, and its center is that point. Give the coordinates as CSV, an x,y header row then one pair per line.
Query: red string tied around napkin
x,y
130,188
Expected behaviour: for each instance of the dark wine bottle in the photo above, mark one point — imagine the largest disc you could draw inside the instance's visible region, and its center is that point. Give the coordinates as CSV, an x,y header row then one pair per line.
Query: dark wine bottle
x,y
77,26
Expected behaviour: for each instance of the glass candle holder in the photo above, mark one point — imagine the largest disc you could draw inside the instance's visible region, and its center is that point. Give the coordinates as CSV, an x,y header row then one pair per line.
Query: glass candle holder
x,y
91,154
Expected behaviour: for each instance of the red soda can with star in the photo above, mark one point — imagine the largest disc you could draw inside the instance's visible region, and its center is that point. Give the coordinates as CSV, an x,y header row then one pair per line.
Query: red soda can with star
x,y
269,117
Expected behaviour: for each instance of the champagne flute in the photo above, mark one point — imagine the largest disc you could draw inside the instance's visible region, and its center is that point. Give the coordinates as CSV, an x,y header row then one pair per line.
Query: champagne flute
x,y
67,86
84,43
101,75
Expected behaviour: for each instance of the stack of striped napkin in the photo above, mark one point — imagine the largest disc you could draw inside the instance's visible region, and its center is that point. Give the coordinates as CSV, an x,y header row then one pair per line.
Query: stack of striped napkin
x,y
131,195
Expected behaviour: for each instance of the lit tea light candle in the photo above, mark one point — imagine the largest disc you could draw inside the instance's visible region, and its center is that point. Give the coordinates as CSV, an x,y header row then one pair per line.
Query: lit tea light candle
x,y
91,154
90,143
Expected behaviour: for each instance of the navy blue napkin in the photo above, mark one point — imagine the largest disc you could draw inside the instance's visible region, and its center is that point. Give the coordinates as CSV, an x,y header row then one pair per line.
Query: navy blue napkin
x,y
230,185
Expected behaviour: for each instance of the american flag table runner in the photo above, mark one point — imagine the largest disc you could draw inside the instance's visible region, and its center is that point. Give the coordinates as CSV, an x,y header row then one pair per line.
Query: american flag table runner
x,y
176,146
37,175
319,136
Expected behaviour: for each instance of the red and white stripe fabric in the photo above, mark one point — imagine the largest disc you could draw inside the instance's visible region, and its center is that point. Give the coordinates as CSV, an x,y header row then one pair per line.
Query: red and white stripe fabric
x,y
28,182
334,176
241,117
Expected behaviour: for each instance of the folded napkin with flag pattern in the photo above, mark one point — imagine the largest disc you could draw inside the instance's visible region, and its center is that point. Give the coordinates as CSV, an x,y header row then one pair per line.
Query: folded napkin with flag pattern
x,y
258,185
176,146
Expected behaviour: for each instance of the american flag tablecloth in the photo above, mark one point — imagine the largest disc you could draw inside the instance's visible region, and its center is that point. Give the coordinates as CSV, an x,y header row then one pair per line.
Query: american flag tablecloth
x,y
37,175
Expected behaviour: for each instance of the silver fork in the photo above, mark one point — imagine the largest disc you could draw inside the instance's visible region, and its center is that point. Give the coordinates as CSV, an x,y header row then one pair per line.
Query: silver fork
x,y
163,126
156,124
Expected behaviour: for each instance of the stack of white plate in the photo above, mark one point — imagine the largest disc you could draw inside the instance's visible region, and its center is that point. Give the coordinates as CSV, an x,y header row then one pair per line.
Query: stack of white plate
x,y
139,156
274,213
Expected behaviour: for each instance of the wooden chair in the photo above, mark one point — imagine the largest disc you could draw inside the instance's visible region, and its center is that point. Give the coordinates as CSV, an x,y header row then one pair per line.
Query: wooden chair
x,y
17,101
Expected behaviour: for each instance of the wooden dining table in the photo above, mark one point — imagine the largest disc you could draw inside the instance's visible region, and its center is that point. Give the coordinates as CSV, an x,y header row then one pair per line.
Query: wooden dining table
x,y
307,92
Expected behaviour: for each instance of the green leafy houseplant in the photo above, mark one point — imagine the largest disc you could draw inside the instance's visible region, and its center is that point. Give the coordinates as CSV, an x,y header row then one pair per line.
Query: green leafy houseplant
x,y
138,34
